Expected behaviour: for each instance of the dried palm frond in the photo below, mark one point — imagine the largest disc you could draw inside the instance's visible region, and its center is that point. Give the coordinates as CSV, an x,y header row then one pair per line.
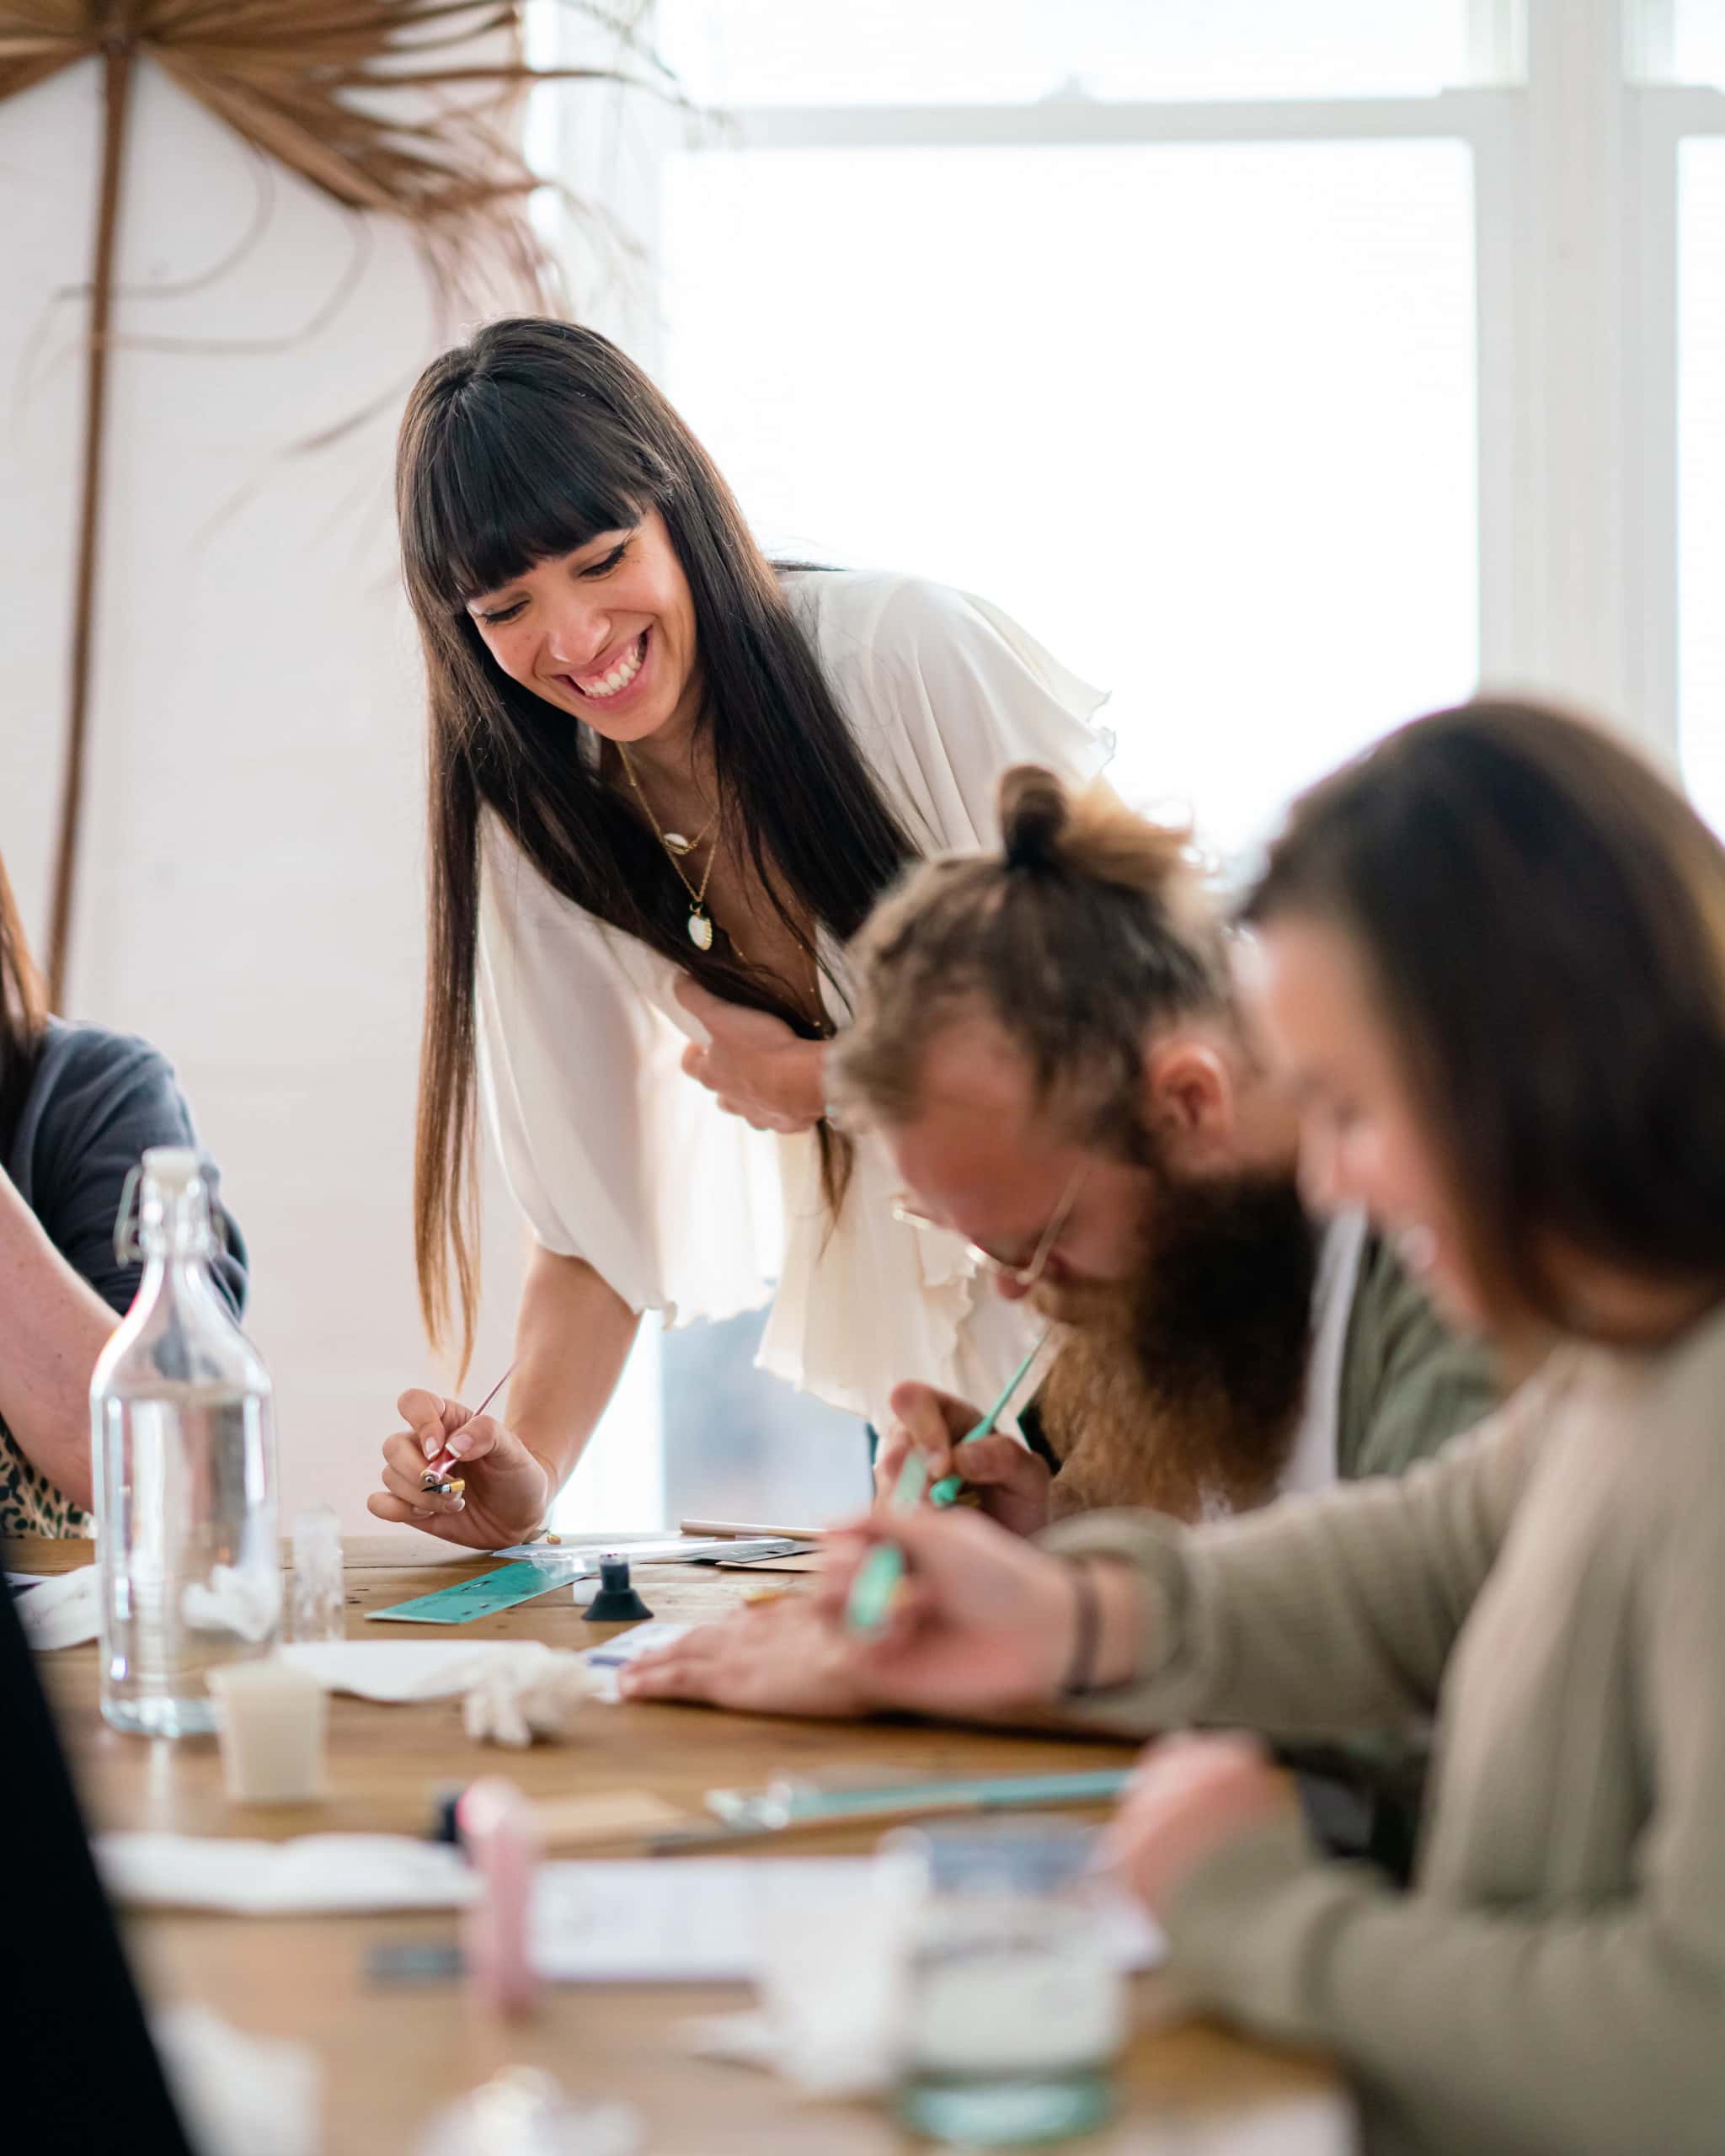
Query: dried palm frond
x,y
400,109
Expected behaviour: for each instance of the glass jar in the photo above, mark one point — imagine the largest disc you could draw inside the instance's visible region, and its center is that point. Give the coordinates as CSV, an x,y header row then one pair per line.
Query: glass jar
x,y
1016,1997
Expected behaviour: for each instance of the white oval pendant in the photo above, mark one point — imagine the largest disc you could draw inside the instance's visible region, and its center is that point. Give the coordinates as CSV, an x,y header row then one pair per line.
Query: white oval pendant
x,y
700,931
675,842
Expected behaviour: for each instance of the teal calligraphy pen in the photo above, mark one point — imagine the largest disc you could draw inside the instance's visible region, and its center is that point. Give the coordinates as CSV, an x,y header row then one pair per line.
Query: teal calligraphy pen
x,y
878,1575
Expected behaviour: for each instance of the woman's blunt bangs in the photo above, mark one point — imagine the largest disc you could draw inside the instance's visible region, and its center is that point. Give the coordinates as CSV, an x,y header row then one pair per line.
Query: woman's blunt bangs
x,y
499,476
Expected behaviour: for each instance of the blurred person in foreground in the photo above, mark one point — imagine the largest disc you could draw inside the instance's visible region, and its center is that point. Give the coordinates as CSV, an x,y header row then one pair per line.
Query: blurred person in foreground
x,y
1049,1041
79,1106
1492,959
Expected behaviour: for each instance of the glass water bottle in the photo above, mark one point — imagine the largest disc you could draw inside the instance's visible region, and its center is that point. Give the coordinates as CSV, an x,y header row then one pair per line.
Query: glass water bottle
x,y
183,1457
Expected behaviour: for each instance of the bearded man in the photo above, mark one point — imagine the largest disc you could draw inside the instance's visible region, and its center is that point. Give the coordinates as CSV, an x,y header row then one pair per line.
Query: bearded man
x,y
1049,1040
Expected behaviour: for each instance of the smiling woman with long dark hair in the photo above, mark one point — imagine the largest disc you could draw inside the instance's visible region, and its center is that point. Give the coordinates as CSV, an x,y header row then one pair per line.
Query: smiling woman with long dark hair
x,y
668,780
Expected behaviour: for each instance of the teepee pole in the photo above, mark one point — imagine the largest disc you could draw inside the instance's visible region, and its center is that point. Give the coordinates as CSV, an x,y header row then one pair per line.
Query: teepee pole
x,y
118,61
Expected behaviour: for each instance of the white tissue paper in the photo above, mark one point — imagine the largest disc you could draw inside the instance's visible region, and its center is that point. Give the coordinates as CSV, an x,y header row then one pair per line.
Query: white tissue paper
x,y
244,1599
60,1611
513,1690
512,1706
829,2024
315,1875
239,2095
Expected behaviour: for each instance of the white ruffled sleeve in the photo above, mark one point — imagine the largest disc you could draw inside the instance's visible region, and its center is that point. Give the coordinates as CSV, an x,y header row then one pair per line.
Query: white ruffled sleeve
x,y
612,1152
961,694
943,693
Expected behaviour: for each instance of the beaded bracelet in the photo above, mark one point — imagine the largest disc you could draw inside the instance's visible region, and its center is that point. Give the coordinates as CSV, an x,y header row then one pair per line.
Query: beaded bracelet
x,y
1086,1635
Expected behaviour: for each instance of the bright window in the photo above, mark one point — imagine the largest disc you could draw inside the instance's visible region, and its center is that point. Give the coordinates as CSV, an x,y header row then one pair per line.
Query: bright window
x,y
1286,365
760,52
1697,40
1201,416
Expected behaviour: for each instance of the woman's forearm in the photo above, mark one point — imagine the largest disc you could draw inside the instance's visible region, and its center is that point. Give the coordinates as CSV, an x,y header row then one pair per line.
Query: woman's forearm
x,y
52,1327
573,1336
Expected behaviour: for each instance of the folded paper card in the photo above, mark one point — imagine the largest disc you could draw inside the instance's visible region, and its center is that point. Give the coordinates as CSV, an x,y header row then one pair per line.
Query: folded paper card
x,y
400,1670
61,1610
317,1874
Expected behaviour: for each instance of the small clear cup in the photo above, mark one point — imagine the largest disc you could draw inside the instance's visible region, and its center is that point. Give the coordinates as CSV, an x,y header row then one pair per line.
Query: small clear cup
x,y
317,1596
1015,1995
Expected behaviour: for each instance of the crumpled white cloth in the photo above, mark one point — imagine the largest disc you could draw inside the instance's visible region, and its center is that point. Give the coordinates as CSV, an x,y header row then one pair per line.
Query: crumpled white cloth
x,y
316,1874
512,1690
245,1599
62,1611
512,1706
239,2095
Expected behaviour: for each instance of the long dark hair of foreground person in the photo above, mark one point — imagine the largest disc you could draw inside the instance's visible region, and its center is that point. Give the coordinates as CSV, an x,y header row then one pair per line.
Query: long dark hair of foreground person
x,y
24,1014
520,447
1542,919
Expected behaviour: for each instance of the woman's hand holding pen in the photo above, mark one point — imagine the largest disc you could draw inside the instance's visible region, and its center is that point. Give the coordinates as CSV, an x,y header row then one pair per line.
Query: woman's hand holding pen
x,y
1010,1482
507,1489
757,1066
980,1621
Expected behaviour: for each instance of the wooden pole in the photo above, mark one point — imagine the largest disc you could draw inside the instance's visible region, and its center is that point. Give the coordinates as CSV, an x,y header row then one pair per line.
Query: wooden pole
x,y
118,60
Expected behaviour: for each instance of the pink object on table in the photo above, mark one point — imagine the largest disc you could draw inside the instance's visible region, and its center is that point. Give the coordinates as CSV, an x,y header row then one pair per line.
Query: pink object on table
x,y
498,1831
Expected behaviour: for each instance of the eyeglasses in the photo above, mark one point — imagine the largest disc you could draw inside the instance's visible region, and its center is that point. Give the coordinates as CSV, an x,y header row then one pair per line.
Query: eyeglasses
x,y
1022,1277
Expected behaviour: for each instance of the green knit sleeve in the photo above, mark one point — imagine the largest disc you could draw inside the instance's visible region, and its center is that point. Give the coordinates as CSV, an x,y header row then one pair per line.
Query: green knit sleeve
x,y
1409,1383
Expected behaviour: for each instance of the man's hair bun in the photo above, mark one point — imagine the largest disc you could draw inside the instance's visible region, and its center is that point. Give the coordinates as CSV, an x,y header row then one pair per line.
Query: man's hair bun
x,y
1035,808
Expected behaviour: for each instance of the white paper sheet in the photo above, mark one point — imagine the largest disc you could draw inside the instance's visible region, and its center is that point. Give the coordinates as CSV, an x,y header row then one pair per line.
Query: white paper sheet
x,y
704,1919
584,1552
610,1655
689,1920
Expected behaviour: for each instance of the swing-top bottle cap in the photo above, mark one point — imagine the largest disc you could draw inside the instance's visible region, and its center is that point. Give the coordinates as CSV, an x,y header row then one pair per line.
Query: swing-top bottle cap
x,y
172,1167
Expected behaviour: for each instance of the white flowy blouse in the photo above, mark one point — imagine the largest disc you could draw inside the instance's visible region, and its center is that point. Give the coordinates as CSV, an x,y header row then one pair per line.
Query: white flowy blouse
x,y
618,1158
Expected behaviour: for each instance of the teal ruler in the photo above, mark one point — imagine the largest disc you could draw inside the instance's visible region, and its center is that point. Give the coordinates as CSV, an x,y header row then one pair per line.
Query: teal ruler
x,y
759,1809
482,1596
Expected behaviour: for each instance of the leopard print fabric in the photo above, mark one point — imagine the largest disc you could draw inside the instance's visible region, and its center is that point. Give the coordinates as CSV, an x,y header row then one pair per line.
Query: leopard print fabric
x,y
30,1503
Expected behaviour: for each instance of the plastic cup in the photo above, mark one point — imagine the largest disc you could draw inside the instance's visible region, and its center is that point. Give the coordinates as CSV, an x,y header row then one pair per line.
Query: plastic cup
x,y
270,1721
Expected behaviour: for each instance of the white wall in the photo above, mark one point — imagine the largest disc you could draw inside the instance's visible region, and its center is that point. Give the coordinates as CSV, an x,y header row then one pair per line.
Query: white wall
x,y
251,899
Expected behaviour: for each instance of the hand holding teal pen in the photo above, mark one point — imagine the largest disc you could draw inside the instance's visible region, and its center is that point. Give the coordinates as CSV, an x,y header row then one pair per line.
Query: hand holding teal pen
x,y
877,1577
948,1490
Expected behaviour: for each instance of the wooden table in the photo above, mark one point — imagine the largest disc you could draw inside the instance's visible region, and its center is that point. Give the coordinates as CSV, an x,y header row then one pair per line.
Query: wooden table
x,y
393,2054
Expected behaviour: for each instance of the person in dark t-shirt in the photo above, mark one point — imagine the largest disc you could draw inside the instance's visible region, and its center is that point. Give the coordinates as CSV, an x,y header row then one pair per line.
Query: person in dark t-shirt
x,y
78,1107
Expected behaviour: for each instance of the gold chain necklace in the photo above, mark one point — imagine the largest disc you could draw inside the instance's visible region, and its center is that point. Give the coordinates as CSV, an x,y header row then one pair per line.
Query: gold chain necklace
x,y
700,923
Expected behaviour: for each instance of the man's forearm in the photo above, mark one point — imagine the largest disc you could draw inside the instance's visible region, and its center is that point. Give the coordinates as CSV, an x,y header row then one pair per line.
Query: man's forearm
x,y
52,1327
